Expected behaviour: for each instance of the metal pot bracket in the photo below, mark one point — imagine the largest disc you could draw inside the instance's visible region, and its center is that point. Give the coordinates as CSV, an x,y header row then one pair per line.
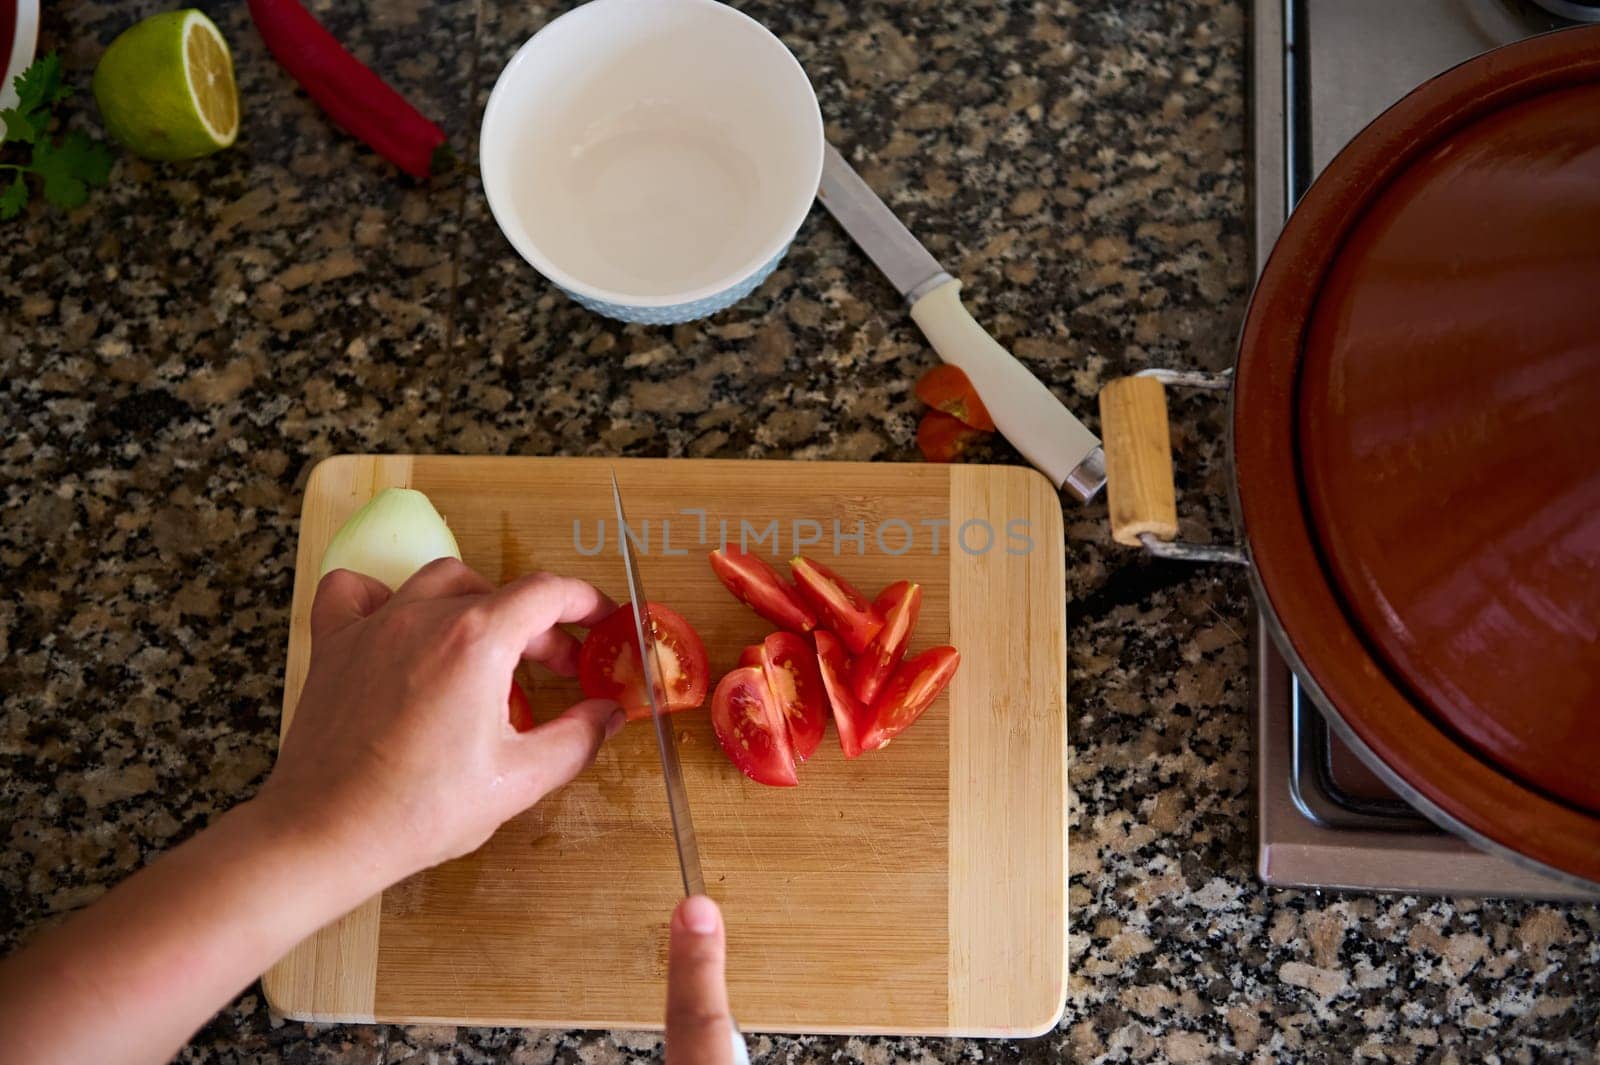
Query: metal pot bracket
x,y
1140,495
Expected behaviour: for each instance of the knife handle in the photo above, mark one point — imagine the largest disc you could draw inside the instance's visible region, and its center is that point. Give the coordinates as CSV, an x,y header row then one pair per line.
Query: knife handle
x,y
1037,423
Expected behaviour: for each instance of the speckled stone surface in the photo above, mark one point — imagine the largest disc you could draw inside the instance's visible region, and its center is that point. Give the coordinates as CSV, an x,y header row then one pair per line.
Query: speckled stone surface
x,y
180,352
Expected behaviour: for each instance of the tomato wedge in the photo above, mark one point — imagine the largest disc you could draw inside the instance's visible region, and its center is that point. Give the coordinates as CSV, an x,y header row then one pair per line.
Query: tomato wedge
x,y
790,666
751,728
521,709
947,388
911,690
609,665
899,604
944,438
751,656
841,608
758,586
850,718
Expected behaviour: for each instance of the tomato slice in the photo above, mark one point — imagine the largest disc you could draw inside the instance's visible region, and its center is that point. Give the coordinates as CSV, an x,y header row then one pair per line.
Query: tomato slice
x,y
944,438
609,665
912,688
751,728
521,709
751,656
849,716
758,586
900,603
840,607
947,388
790,666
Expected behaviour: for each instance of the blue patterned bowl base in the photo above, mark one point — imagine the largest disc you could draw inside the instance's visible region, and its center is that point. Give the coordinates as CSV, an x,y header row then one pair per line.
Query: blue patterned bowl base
x,y
683,312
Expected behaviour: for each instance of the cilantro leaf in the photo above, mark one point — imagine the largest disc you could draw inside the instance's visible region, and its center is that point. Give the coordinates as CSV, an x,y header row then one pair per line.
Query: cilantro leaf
x,y
40,85
62,185
14,199
20,125
90,159
70,167
67,168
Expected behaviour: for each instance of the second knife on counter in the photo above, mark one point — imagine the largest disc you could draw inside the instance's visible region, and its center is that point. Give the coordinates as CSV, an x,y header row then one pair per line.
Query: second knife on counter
x,y
1037,423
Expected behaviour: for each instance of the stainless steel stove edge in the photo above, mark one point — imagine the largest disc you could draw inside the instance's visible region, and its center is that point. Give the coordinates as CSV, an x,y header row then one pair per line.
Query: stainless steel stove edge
x,y
1295,850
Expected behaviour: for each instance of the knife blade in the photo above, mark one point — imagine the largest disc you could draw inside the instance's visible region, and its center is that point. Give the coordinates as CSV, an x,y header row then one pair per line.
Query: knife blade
x,y
683,834
1037,423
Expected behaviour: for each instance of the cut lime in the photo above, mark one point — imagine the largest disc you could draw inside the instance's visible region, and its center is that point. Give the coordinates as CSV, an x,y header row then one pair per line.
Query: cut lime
x,y
165,87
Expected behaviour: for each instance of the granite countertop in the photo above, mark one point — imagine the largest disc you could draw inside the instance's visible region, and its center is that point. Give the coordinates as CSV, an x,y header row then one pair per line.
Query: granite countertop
x,y
181,351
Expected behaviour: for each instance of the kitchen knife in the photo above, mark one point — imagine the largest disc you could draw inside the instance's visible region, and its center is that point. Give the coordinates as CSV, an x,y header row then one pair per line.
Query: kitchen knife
x,y
694,880
1031,417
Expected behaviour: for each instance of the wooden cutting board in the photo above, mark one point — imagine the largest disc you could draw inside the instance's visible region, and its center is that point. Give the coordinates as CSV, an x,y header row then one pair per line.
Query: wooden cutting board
x,y
918,889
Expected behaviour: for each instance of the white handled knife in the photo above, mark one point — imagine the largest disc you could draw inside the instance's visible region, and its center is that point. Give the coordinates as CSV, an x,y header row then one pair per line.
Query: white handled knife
x,y
1046,433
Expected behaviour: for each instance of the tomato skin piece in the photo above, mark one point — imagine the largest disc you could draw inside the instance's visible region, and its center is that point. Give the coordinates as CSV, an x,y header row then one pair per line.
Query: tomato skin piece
x,y
900,603
751,728
947,388
751,656
758,586
521,710
912,688
790,667
944,438
850,718
843,611
609,665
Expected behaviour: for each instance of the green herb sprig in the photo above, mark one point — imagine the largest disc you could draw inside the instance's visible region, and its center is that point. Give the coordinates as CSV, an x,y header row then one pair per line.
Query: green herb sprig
x,y
67,167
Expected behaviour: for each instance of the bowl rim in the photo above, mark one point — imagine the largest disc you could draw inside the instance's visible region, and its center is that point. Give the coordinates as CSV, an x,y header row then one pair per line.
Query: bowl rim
x,y
24,45
772,248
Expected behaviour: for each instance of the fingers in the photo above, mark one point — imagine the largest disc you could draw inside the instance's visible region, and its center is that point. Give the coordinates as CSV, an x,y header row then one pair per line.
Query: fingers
x,y
344,597
442,578
528,607
555,752
556,649
699,1025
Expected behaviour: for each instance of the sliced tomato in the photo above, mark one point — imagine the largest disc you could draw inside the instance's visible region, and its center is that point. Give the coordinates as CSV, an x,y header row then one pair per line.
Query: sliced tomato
x,y
521,709
947,388
912,688
751,729
751,656
944,438
609,665
849,715
758,586
841,608
790,666
900,603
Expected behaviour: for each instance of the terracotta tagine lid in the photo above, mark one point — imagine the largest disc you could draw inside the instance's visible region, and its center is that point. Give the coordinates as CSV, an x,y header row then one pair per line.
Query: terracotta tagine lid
x,y
1450,435
1434,441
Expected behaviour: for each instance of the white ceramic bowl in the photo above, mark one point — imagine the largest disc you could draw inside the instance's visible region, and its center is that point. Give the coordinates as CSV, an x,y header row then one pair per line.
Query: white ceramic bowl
x,y
653,158
17,52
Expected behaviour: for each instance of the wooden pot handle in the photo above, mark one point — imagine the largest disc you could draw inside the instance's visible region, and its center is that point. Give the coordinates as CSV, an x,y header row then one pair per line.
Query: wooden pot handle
x,y
1138,447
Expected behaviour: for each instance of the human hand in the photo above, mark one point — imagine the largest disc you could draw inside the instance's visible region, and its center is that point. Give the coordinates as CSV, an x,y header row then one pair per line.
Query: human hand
x,y
700,1029
400,746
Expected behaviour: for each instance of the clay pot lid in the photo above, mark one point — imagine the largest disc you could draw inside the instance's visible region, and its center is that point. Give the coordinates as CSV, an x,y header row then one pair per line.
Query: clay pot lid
x,y
1417,445
1450,435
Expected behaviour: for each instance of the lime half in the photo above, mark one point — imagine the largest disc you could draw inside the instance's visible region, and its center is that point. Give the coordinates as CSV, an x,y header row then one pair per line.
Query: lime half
x,y
165,87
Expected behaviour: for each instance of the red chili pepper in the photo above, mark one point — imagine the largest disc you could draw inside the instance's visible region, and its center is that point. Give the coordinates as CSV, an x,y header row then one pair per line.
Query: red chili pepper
x,y
351,94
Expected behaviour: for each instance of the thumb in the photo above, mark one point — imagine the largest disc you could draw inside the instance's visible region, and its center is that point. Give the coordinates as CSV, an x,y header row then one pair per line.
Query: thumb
x,y
552,754
343,598
699,1024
